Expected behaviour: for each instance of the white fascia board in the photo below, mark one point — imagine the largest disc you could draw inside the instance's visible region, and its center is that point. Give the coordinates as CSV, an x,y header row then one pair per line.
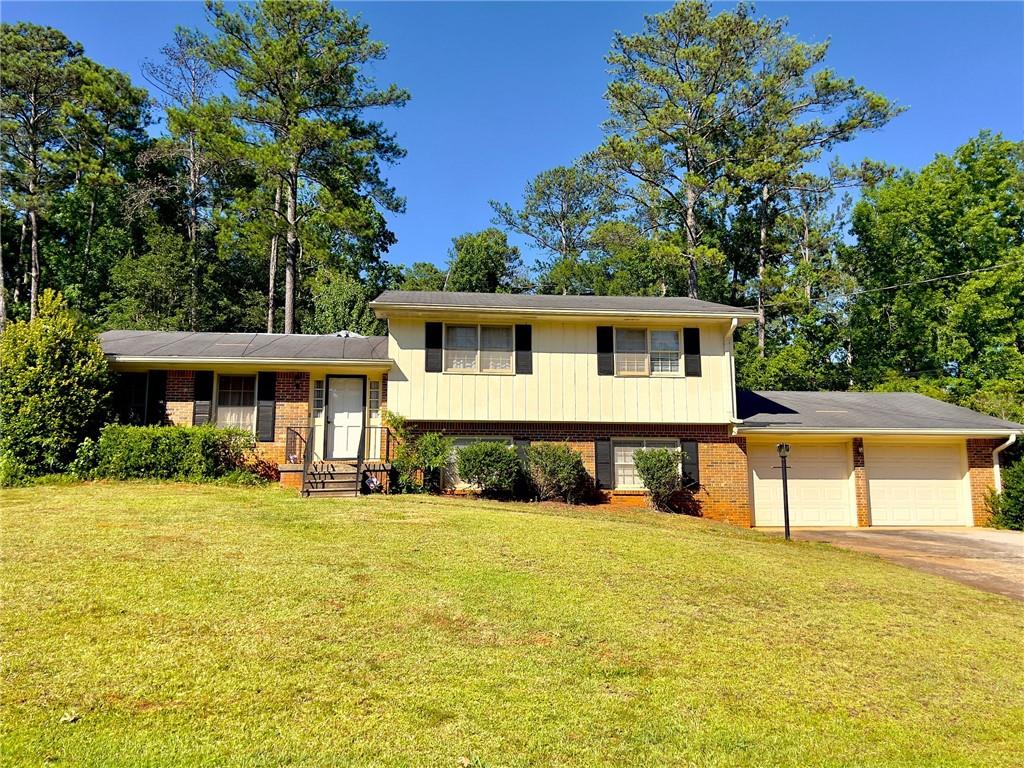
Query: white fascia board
x,y
875,431
311,362
382,311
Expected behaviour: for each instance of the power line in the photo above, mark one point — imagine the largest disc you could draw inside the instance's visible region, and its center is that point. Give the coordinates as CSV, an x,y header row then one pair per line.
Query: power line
x,y
895,285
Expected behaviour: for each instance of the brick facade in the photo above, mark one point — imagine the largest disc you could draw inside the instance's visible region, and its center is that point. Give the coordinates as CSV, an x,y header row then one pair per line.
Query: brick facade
x,y
292,410
724,493
180,397
981,470
860,482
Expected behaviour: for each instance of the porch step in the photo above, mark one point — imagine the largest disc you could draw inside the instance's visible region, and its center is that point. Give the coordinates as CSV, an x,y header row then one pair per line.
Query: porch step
x,y
331,479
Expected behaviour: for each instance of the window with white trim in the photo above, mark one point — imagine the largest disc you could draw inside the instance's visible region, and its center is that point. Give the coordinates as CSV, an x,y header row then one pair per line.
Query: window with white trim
x,y
318,398
451,473
236,402
373,398
644,352
478,348
626,475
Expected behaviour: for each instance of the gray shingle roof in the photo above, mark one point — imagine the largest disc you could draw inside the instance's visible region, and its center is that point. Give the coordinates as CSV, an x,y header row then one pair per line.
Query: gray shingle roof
x,y
876,411
512,302
249,346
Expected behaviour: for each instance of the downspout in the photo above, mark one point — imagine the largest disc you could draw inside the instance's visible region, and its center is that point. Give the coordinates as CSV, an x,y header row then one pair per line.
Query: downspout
x,y
732,367
995,460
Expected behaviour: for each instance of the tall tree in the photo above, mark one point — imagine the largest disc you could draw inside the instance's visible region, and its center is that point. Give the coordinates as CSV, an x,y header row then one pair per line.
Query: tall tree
x,y
422,276
560,209
484,262
302,91
37,79
678,90
939,260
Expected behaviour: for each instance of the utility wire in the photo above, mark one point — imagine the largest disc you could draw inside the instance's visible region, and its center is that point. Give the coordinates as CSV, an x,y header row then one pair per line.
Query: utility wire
x,y
894,286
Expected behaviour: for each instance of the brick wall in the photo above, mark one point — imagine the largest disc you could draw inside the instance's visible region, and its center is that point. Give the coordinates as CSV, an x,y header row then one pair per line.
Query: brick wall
x,y
724,493
292,410
180,397
981,471
860,482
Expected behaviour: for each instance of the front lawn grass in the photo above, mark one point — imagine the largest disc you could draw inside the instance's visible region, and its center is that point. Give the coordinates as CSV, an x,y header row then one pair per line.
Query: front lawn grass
x,y
160,624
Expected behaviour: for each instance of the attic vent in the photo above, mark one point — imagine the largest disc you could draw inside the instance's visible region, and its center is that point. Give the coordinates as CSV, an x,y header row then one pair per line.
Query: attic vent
x,y
349,335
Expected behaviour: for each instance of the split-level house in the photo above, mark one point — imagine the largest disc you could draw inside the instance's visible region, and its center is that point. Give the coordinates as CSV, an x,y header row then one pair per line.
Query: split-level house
x,y
605,374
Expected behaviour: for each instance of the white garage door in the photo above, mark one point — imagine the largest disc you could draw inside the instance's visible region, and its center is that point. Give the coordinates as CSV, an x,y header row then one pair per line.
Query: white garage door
x,y
916,484
819,485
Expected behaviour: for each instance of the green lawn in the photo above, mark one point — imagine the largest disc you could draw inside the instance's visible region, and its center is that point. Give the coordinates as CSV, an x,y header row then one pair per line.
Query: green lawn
x,y
180,625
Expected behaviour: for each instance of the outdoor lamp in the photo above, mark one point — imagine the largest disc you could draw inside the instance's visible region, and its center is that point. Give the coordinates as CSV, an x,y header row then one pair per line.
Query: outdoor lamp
x,y
783,449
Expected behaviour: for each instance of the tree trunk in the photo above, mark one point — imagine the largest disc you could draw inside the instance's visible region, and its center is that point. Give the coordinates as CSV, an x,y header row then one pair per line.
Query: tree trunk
x,y
3,292
193,232
762,259
33,293
691,240
89,227
272,271
291,253
807,255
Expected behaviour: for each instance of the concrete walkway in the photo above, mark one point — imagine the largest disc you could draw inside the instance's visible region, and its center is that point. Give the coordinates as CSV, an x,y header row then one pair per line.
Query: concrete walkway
x,y
983,558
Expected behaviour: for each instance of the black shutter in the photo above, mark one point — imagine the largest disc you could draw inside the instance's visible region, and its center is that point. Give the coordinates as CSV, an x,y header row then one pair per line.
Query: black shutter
x,y
605,351
435,355
266,383
202,397
524,349
691,351
691,464
156,398
603,462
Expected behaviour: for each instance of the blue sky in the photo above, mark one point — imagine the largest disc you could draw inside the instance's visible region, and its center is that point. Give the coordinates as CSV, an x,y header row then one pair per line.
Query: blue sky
x,y
502,91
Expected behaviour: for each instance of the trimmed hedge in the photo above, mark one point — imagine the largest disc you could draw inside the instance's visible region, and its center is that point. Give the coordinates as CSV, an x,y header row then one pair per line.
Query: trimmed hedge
x,y
659,471
192,454
494,468
1008,507
557,472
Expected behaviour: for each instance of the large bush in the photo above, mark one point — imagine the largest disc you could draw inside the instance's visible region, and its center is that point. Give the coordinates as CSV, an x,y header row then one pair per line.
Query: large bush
x,y
53,387
557,472
193,454
1008,507
494,468
659,471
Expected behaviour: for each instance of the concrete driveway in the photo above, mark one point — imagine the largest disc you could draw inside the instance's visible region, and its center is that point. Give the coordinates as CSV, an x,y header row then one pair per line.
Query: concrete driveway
x,y
983,558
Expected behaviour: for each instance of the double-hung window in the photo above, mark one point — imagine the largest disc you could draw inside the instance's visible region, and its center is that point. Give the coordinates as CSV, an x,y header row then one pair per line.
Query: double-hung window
x,y
236,402
626,475
643,352
478,348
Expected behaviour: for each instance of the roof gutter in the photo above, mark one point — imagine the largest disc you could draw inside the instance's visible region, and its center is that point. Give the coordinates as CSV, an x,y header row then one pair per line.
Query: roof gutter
x,y
854,431
307,362
381,311
995,460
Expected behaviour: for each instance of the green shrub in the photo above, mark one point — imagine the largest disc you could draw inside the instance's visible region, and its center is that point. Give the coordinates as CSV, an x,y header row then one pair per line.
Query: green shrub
x,y
434,455
659,471
53,387
494,468
193,454
557,472
13,472
86,460
1007,508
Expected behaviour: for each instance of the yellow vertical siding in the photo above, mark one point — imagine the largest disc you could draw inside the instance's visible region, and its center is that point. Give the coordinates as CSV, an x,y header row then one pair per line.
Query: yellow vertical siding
x,y
564,385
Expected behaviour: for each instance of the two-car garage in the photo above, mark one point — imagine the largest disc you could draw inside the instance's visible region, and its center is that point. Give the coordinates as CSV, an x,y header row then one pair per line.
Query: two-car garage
x,y
917,483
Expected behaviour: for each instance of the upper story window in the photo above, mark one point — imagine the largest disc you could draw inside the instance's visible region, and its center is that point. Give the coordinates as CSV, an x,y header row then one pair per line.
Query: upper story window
x,y
236,402
478,348
643,352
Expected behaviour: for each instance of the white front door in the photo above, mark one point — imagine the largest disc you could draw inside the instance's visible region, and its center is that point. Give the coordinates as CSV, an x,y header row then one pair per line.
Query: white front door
x,y
344,417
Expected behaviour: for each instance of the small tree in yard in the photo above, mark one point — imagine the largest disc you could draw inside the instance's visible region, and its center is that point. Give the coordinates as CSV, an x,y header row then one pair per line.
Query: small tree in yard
x,y
659,470
494,468
53,387
435,455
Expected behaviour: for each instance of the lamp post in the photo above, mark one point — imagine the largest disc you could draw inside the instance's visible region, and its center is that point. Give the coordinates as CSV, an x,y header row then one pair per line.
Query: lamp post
x,y
783,449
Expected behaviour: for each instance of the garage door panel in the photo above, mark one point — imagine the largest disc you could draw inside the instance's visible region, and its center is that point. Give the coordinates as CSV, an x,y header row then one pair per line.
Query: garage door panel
x,y
819,487
915,484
